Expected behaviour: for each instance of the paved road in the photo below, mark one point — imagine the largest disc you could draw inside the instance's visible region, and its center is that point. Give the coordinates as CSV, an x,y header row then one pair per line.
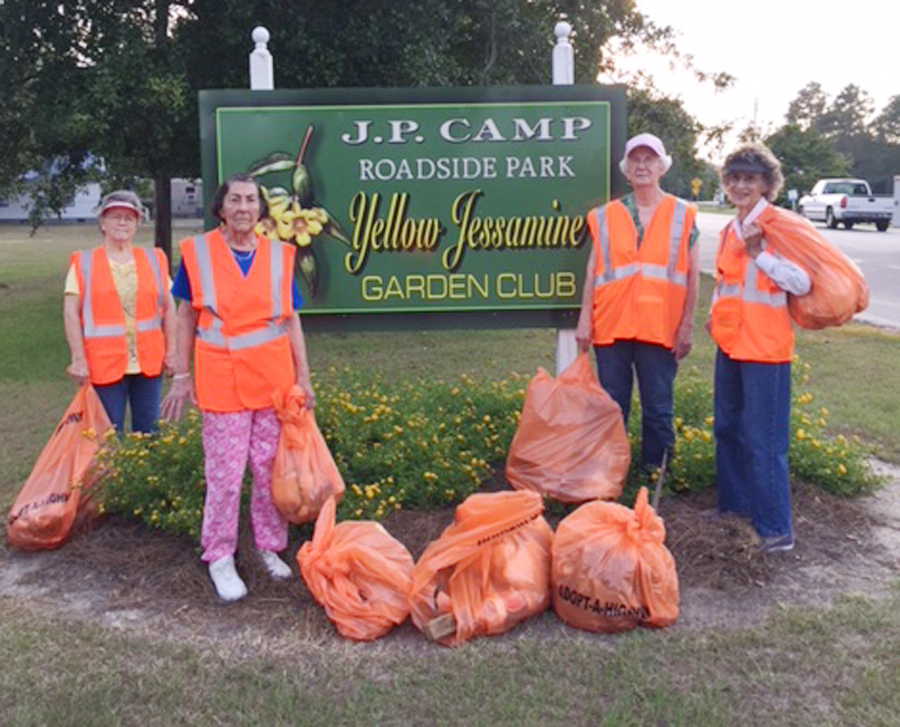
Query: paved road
x,y
876,253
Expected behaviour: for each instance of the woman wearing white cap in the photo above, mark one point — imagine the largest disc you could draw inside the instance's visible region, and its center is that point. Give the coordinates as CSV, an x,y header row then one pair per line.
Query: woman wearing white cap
x,y
120,317
640,292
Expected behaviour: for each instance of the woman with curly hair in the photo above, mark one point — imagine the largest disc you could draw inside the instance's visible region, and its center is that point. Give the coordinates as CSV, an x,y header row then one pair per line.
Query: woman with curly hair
x,y
751,325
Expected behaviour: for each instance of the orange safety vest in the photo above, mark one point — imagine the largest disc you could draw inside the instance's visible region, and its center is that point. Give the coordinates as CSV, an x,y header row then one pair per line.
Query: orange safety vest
x,y
103,320
749,319
242,354
640,291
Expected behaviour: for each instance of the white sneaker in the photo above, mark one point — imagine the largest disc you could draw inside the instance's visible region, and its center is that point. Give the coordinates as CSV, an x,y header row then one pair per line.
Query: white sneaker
x,y
228,583
278,569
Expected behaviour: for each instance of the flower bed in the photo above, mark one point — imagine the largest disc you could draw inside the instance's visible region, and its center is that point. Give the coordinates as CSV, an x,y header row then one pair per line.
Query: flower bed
x,y
430,444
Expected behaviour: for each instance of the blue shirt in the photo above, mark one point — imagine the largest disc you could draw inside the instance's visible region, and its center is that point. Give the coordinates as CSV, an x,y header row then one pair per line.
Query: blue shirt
x,y
181,286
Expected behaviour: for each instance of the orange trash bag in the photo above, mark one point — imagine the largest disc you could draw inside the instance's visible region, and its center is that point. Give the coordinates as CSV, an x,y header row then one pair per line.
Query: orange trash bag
x,y
611,569
56,492
304,474
488,571
838,290
571,443
359,573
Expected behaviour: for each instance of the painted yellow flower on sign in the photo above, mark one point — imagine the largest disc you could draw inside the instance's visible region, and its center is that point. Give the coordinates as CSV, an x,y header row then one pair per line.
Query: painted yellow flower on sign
x,y
292,215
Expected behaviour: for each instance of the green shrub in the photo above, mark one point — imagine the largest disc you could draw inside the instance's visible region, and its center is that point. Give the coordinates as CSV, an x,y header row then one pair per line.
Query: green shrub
x,y
428,444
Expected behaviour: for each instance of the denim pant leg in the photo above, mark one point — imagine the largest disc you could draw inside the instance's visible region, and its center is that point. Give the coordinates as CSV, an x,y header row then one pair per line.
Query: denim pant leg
x,y
113,397
143,397
656,368
728,405
615,370
766,424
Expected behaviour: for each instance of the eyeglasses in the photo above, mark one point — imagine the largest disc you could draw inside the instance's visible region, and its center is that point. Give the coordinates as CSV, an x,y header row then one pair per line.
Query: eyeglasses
x,y
120,218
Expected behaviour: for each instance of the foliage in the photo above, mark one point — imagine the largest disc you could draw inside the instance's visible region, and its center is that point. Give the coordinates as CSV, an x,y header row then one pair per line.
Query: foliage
x,y
820,130
119,78
653,112
806,156
430,444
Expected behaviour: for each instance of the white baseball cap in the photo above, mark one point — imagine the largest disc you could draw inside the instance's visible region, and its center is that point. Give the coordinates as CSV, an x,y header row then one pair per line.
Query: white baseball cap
x,y
651,142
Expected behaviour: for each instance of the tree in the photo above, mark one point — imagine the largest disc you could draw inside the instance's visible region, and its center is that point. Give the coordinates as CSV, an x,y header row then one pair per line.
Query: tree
x,y
653,112
847,115
886,126
119,78
805,157
805,111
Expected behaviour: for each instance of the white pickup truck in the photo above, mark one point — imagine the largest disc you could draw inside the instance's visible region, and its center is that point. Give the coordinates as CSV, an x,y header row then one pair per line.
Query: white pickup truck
x,y
846,201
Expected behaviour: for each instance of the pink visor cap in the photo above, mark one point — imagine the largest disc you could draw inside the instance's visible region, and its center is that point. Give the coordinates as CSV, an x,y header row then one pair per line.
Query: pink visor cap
x,y
652,142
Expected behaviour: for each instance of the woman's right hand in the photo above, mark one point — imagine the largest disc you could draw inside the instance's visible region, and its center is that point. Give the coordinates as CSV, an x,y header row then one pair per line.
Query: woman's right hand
x,y
78,371
172,406
584,334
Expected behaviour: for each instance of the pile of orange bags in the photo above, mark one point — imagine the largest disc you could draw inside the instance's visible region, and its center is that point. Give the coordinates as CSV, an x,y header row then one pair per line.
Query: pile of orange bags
x,y
839,289
611,569
56,492
488,571
571,443
359,573
304,474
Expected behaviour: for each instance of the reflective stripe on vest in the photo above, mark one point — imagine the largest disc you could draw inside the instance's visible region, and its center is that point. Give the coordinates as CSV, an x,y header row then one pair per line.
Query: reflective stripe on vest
x,y
113,330
213,335
648,270
749,292
90,330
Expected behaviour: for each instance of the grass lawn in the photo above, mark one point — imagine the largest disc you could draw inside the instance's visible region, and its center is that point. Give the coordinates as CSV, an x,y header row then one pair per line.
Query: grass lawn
x,y
827,666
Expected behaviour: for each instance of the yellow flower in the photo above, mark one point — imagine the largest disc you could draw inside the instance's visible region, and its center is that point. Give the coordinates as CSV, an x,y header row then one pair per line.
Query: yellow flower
x,y
842,470
801,434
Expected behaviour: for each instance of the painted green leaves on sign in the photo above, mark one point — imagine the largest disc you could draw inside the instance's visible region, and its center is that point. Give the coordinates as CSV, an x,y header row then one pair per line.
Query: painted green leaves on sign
x,y
293,216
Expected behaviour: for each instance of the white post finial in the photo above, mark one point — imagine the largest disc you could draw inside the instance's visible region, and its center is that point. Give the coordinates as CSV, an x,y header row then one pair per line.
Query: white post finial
x,y
262,75
564,75
563,55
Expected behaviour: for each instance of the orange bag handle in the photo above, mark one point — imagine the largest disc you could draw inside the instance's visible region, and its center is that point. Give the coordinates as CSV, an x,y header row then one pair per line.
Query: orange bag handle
x,y
466,540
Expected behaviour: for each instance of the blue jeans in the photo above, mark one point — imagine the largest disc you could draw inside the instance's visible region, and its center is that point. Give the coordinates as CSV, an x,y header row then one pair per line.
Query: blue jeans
x,y
656,368
141,392
752,428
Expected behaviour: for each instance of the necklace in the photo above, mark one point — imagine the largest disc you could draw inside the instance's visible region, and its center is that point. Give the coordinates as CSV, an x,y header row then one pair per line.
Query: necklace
x,y
243,254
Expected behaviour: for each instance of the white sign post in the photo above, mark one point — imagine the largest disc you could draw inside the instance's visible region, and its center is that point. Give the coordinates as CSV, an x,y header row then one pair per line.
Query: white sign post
x,y
262,75
564,75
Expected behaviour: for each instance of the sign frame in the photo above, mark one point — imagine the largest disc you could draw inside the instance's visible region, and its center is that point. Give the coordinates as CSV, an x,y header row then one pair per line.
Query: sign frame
x,y
212,100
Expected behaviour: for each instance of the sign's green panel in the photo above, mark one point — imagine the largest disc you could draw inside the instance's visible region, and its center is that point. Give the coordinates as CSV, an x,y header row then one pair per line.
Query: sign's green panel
x,y
426,207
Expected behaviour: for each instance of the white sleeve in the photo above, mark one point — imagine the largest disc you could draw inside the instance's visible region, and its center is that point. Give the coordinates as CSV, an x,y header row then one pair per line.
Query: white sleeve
x,y
786,275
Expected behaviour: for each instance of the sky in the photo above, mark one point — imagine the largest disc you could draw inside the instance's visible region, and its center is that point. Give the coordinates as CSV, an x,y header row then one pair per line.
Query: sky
x,y
774,48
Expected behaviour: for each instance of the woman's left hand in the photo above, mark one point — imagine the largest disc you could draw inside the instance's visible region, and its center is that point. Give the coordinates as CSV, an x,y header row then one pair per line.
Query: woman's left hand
x,y
684,341
310,401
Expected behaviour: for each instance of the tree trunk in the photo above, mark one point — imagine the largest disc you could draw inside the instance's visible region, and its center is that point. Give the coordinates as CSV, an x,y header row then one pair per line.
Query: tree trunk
x,y
163,197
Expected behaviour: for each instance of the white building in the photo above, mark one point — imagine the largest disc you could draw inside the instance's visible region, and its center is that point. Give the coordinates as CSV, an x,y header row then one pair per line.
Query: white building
x,y
83,207
187,201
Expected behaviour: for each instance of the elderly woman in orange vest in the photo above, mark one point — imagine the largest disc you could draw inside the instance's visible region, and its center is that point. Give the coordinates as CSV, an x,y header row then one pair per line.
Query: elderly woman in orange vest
x,y
237,313
640,292
119,316
750,323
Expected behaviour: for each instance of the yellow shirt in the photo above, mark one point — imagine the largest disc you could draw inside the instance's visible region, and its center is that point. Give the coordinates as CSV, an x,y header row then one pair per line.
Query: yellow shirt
x,y
124,277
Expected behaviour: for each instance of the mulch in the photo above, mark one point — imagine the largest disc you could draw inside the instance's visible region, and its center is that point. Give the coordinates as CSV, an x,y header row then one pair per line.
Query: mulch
x,y
139,568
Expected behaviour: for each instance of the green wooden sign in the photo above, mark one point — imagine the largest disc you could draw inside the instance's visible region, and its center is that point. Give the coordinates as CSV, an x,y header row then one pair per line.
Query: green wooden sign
x,y
425,207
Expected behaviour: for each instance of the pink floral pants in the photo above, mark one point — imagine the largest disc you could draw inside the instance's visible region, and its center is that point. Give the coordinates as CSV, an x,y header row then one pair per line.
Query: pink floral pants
x,y
229,438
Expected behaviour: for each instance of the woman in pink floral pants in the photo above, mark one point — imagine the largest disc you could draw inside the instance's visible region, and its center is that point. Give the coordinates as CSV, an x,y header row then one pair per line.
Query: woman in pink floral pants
x,y
237,313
